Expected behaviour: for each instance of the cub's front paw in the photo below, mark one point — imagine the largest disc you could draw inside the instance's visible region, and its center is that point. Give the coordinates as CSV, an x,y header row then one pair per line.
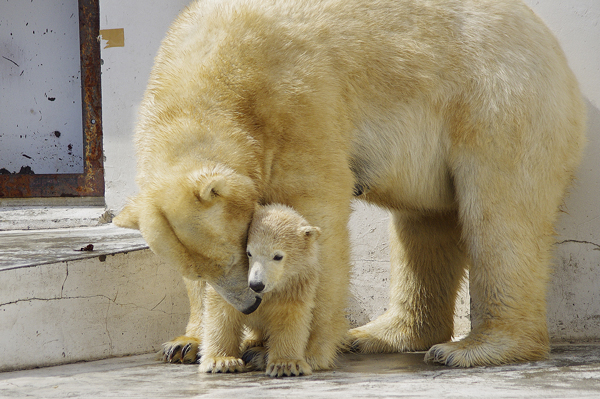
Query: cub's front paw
x,y
221,365
182,349
287,368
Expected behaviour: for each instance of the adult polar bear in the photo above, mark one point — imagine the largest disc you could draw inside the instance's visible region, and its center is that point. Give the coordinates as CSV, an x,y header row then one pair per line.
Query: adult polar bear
x,y
461,117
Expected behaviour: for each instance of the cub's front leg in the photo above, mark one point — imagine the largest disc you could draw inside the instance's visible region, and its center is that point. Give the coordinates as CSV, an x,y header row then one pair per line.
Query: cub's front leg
x,y
222,333
288,338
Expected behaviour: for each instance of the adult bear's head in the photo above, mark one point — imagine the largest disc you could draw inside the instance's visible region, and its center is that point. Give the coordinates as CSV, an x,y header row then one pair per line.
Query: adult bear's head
x,y
199,222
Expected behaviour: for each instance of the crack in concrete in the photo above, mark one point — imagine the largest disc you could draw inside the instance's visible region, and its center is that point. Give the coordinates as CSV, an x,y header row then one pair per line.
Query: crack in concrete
x,y
84,297
110,343
66,277
161,301
580,242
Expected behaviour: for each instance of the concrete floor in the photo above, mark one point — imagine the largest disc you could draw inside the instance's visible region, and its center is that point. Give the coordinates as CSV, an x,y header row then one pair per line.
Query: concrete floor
x,y
572,371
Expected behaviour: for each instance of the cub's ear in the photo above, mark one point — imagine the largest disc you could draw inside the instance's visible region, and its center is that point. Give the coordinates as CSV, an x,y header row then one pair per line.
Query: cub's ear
x,y
310,232
129,217
211,187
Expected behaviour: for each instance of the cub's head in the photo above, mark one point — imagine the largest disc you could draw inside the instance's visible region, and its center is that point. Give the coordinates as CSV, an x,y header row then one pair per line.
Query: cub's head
x,y
199,222
280,244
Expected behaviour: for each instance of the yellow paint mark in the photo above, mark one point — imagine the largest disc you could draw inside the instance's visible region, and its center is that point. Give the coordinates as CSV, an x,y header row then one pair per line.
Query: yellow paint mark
x,y
113,37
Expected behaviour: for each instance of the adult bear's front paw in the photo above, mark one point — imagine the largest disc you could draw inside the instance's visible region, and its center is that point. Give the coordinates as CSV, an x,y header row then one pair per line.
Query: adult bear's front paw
x,y
228,364
180,350
288,368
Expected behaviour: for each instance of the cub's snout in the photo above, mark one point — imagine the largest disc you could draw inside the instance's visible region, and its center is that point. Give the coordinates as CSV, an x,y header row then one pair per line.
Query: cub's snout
x,y
258,277
256,286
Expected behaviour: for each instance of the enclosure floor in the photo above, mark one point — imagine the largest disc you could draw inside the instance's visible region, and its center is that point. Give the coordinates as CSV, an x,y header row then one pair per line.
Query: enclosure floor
x,y
572,371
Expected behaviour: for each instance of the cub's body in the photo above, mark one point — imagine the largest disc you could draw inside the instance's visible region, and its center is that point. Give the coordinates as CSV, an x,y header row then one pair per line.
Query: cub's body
x,y
285,269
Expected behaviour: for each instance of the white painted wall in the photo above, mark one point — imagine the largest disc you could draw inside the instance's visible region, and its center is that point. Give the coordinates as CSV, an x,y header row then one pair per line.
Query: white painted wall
x,y
574,297
125,72
574,300
40,104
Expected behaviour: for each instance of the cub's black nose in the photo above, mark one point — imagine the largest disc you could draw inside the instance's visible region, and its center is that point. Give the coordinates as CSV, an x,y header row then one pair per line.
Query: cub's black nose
x,y
257,286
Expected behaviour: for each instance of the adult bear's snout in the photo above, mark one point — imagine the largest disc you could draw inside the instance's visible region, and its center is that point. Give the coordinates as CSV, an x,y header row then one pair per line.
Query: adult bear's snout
x,y
252,308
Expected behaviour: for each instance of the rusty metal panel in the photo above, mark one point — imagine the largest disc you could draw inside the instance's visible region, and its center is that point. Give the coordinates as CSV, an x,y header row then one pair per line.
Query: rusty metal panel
x,y
91,182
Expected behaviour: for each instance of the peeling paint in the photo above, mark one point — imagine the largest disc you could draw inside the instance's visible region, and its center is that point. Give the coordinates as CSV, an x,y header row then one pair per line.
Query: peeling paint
x,y
113,37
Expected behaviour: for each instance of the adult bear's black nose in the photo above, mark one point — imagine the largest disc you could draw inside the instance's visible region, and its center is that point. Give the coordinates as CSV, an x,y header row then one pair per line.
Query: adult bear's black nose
x,y
256,286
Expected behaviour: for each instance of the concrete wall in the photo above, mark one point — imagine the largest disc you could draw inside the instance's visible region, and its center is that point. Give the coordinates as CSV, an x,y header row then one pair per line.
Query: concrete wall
x,y
125,72
574,302
574,297
100,307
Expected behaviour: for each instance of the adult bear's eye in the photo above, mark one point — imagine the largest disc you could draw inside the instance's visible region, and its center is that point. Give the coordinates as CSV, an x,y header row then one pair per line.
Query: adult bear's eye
x,y
249,254
277,257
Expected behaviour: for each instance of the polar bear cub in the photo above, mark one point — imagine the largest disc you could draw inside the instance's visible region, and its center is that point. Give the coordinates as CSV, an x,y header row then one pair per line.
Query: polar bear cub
x,y
284,268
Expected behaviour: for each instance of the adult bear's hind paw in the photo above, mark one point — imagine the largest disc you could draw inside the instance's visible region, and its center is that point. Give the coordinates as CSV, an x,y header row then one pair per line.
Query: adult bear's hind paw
x,y
489,349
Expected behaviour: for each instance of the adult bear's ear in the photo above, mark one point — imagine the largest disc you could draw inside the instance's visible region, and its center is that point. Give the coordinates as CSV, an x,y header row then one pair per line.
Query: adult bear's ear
x,y
129,217
311,233
211,187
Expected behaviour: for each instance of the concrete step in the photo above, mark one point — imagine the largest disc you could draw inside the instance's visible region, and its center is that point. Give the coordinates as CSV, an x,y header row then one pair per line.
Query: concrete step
x,y
59,304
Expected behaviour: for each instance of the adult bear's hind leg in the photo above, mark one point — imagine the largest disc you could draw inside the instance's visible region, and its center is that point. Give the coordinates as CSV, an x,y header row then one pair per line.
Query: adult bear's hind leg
x,y
507,211
428,263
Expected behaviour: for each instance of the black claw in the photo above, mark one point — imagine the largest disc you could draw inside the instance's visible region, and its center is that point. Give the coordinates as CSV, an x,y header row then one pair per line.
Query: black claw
x,y
172,352
185,350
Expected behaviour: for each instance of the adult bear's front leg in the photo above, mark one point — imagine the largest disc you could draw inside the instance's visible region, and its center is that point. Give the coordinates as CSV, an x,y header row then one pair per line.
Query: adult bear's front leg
x,y
186,348
428,263
222,335
329,325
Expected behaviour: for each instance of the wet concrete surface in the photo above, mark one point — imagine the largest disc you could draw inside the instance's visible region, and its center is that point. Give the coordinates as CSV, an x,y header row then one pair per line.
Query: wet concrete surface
x,y
572,371
25,248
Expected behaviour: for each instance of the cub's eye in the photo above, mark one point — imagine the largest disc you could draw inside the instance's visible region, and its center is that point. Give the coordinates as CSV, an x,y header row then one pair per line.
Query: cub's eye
x,y
249,254
277,257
